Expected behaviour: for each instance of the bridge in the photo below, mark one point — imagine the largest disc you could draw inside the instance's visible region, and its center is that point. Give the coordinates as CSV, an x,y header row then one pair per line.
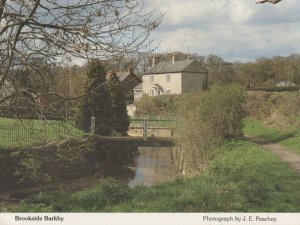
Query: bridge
x,y
152,127
136,141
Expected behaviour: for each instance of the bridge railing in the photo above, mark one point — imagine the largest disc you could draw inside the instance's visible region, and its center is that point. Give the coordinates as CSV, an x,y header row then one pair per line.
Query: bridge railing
x,y
153,122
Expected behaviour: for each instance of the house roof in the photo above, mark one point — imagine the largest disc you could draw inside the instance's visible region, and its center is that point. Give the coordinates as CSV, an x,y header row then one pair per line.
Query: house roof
x,y
122,75
138,87
286,83
190,65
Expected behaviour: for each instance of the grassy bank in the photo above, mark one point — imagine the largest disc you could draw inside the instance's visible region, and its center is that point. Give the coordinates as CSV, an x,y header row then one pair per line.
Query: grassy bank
x,y
242,177
24,132
287,137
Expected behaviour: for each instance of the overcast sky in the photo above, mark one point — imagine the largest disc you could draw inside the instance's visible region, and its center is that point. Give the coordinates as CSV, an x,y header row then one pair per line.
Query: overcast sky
x,y
233,29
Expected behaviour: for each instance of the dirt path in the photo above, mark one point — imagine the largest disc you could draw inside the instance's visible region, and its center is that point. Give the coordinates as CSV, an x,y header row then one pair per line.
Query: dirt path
x,y
291,158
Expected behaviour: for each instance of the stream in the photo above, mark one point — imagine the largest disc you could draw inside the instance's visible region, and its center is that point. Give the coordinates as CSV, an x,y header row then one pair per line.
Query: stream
x,y
153,165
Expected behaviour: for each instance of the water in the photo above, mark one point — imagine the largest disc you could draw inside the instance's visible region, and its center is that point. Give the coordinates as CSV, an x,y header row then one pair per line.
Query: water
x,y
152,166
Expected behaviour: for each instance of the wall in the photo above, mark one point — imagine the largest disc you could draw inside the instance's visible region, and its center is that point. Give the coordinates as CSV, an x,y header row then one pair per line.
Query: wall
x,y
131,109
194,81
137,94
174,85
152,132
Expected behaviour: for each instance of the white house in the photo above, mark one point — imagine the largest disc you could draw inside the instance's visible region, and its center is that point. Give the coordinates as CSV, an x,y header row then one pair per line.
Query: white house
x,y
175,77
138,91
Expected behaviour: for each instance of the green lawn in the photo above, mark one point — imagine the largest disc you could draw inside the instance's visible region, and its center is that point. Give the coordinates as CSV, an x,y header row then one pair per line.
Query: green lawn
x,y
241,178
288,138
24,132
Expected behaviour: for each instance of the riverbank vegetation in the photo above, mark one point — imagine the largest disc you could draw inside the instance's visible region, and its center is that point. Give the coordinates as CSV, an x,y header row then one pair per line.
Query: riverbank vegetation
x,y
206,119
242,177
279,110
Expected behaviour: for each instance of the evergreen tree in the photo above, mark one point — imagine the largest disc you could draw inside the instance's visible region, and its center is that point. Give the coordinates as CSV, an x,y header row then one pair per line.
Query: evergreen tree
x,y
120,120
97,101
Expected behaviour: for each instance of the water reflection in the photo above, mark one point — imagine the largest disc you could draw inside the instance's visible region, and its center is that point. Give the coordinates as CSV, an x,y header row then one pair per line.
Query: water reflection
x,y
152,166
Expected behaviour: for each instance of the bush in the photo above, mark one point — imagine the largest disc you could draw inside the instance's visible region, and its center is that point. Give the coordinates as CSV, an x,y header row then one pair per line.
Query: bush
x,y
279,109
276,88
162,105
205,119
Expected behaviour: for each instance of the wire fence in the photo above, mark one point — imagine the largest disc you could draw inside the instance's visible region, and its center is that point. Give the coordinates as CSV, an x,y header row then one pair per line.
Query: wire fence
x,y
23,132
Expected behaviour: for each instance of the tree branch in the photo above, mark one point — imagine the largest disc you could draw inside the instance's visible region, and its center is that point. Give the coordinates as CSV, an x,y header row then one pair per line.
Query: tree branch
x,y
267,1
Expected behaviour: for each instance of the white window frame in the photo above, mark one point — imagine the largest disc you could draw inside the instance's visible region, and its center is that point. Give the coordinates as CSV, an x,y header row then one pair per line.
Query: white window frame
x,y
168,78
151,92
151,78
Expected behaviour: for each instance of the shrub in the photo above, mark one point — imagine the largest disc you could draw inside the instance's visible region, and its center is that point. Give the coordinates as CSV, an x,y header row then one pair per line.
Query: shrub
x,y
276,88
119,117
96,101
162,105
279,109
205,119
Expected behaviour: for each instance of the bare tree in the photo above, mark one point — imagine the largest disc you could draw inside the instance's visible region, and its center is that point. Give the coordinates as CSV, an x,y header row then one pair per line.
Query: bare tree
x,y
36,34
269,1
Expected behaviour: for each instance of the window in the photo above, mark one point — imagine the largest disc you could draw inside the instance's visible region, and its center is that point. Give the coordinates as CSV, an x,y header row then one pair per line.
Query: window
x,y
168,91
151,93
168,76
151,78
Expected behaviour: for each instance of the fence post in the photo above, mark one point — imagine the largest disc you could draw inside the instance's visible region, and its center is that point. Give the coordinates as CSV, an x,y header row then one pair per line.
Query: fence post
x,y
93,125
145,127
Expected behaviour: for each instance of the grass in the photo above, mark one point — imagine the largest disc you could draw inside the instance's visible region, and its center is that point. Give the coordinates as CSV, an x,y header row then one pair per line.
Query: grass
x,y
241,178
288,138
24,132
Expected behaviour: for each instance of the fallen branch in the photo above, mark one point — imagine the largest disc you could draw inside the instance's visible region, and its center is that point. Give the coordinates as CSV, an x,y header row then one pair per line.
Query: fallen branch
x,y
269,1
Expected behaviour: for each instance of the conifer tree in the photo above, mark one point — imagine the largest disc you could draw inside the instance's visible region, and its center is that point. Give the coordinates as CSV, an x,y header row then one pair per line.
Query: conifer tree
x,y
120,120
97,101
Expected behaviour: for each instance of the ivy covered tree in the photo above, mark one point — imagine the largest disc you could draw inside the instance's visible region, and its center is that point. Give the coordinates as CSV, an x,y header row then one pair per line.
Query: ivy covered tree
x,y
120,120
96,101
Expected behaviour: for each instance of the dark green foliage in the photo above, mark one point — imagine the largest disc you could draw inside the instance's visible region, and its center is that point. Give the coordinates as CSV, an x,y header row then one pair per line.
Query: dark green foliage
x,y
105,100
97,101
119,117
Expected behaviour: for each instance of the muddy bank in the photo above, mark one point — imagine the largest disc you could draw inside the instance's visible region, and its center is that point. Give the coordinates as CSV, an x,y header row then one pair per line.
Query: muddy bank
x,y
55,163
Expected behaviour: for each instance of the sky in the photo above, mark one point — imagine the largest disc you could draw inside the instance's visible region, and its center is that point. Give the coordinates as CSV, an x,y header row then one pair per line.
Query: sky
x,y
236,30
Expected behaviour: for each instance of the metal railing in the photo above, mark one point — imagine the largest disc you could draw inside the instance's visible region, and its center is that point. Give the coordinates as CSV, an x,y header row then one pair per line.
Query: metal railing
x,y
153,122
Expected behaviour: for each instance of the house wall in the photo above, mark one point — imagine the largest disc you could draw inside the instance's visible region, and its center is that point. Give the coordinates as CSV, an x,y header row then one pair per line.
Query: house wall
x,y
194,81
137,94
174,85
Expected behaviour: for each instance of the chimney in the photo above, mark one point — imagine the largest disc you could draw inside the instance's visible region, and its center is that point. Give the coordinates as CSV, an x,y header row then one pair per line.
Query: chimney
x,y
174,57
155,60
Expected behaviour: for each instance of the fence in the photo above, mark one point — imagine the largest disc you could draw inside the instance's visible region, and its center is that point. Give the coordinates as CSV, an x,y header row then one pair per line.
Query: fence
x,y
22,132
153,122
152,126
